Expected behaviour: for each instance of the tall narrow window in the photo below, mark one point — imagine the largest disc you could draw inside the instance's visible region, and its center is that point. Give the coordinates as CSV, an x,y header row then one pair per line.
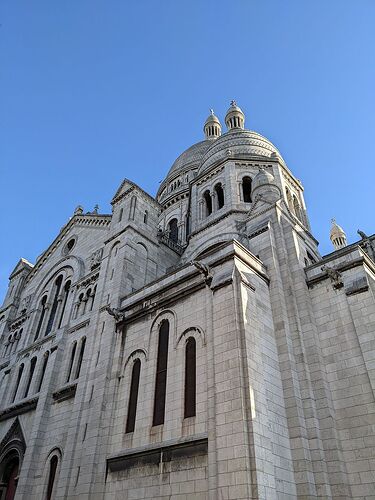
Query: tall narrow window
x,y
72,355
190,378
133,204
66,294
92,298
297,208
19,375
220,195
173,230
30,377
246,189
120,214
51,476
161,374
145,217
133,397
81,351
55,304
208,200
41,317
44,367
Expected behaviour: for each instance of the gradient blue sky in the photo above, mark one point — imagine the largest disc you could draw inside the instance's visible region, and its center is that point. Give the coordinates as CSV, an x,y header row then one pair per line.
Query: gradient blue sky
x,y
94,91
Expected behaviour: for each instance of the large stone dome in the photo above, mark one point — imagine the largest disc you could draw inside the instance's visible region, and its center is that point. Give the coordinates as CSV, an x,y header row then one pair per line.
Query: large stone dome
x,y
238,142
192,157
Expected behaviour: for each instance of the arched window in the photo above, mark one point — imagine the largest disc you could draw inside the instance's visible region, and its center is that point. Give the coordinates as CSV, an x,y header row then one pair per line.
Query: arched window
x,y
55,304
86,300
8,346
296,207
289,200
51,476
161,374
10,475
120,214
80,358
30,377
19,376
44,367
79,306
72,355
133,204
133,397
173,230
18,338
145,217
190,378
41,317
92,298
220,195
208,201
246,189
66,294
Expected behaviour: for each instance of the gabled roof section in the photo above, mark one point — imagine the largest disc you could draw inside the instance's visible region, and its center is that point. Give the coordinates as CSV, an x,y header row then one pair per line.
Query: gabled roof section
x,y
126,187
90,219
22,265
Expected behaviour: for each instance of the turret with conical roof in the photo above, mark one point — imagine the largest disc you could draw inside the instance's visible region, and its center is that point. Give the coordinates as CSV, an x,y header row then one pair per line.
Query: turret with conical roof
x,y
337,235
235,117
212,126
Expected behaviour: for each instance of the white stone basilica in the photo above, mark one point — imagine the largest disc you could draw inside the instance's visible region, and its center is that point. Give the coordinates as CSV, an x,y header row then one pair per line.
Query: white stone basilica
x,y
195,345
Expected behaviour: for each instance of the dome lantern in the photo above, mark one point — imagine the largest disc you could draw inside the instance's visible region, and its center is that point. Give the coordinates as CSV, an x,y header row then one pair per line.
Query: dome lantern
x,y
337,236
234,119
212,126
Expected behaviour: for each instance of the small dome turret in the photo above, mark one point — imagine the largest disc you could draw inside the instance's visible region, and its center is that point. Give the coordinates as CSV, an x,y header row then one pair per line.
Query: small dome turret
x,y
337,235
234,119
262,178
212,126
264,184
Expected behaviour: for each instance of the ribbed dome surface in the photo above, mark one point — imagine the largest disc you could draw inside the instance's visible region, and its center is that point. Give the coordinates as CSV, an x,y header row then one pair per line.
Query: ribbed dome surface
x,y
237,142
191,157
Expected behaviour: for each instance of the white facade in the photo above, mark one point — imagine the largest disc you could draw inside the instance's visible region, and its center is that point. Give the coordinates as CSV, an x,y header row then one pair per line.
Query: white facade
x,y
276,400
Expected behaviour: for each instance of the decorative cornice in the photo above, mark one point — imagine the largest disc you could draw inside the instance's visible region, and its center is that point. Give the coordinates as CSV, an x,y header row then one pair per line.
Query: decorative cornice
x,y
89,279
215,221
79,326
19,408
340,268
66,392
4,365
295,183
158,452
119,196
16,323
35,346
201,179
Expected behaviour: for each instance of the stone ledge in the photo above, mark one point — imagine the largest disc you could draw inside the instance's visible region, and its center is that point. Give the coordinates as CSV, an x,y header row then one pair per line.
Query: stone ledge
x,y
158,453
66,392
19,408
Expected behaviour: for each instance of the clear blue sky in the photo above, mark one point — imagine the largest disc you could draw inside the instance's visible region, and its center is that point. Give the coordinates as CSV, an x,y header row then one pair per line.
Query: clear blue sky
x,y
95,91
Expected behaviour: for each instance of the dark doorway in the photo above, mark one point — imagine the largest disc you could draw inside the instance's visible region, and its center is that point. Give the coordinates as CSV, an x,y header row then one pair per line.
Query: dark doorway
x,y
10,478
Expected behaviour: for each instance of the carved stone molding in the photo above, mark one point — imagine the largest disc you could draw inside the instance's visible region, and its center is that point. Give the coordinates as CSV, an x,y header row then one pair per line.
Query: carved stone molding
x,y
19,408
66,392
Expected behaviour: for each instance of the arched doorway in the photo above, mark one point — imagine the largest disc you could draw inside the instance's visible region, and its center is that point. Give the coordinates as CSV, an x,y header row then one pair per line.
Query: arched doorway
x,y
12,450
9,477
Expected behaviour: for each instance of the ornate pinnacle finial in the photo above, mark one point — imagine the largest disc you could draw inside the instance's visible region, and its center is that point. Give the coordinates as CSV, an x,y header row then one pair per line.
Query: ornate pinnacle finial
x,y
233,103
78,210
212,112
333,220
96,208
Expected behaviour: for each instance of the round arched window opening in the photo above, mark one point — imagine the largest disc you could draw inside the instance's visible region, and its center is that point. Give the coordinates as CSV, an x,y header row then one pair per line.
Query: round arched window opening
x,y
69,245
